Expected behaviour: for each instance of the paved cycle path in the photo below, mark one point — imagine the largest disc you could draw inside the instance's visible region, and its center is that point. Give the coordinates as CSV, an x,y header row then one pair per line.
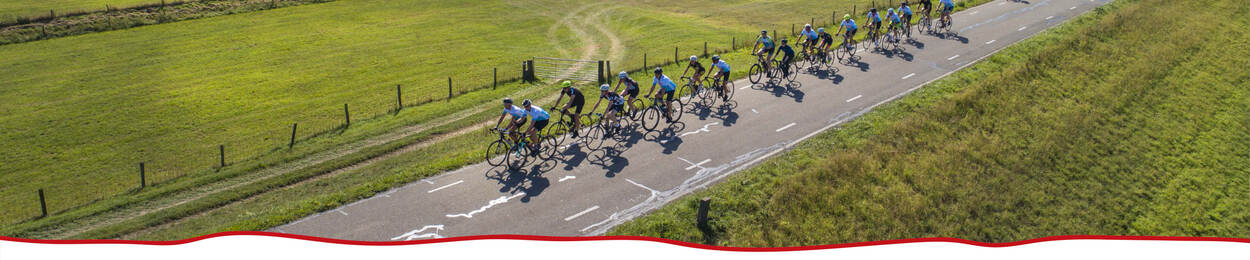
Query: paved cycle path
x,y
591,191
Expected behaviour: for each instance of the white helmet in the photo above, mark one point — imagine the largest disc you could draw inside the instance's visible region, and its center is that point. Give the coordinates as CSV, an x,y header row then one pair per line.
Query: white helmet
x,y
623,75
604,87
808,26
694,58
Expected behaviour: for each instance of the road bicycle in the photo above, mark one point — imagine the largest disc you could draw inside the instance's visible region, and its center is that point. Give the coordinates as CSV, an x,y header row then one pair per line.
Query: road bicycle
x,y
892,38
846,51
601,129
695,89
944,25
926,24
652,114
561,127
715,92
871,39
515,154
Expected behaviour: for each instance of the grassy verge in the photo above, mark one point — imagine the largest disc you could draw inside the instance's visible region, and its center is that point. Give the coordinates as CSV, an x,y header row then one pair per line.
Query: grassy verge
x,y
1116,123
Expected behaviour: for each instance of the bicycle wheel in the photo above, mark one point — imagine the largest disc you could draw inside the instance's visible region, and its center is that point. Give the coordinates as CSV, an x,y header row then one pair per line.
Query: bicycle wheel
x,y
729,92
549,148
651,118
636,115
495,153
594,137
557,131
678,109
517,156
792,72
755,73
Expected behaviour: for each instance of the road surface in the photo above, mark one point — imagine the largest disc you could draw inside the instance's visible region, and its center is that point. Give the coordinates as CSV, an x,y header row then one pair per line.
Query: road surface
x,y
591,191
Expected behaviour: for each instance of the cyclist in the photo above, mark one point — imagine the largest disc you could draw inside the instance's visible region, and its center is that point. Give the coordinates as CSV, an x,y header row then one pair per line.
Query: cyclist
x,y
809,39
518,118
874,23
631,90
540,118
698,71
667,88
768,48
905,11
848,26
576,100
895,24
786,58
826,40
722,71
616,103
926,8
947,7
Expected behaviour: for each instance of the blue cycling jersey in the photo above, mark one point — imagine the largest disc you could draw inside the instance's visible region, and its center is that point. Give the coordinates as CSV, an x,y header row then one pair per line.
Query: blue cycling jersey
x,y
665,83
724,67
875,17
768,42
948,3
538,114
811,35
849,24
515,111
894,18
906,10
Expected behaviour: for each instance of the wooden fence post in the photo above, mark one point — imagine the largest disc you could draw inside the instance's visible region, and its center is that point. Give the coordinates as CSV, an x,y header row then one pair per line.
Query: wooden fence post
x,y
43,205
644,60
143,178
222,148
347,117
449,89
701,217
704,49
294,127
399,98
675,58
608,64
601,78
495,82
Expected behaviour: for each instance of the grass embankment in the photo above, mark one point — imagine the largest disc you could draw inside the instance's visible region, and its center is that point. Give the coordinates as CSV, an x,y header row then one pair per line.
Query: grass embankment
x,y
302,202
1117,123
12,10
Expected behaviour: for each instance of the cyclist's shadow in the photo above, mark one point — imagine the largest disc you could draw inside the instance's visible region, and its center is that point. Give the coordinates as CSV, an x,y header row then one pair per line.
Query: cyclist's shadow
x,y
516,180
573,155
609,157
953,36
918,44
667,137
901,53
791,88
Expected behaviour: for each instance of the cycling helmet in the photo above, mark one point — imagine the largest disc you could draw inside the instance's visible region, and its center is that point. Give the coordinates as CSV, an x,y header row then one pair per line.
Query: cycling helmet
x,y
623,75
658,70
783,41
891,10
808,26
507,101
821,30
566,83
694,58
873,10
846,17
526,102
764,32
715,57
604,87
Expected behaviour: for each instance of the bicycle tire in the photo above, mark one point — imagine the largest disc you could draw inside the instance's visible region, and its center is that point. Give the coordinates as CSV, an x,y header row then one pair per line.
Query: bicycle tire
x,y
678,109
594,137
755,73
636,115
495,153
651,118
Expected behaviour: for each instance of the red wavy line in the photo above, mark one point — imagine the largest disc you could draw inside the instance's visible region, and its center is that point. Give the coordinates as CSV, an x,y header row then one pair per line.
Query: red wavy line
x,y
635,238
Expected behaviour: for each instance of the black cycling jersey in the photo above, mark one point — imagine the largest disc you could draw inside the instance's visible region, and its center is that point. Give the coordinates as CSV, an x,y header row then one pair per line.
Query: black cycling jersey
x,y
613,98
576,95
630,84
827,38
698,67
927,4
789,53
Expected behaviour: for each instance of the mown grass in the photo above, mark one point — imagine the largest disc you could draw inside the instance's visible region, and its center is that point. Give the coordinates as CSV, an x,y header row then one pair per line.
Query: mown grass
x,y
1116,123
11,10
79,118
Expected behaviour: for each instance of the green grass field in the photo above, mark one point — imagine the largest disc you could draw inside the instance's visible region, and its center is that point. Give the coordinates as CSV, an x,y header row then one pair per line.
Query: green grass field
x,y
10,10
79,118
1117,123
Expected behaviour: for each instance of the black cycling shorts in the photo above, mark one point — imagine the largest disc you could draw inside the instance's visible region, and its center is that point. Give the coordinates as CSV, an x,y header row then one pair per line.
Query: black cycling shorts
x,y
668,95
632,92
577,104
724,77
540,124
616,108
520,122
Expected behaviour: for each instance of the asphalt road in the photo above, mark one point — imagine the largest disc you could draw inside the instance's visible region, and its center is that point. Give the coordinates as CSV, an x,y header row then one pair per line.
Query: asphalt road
x,y
591,191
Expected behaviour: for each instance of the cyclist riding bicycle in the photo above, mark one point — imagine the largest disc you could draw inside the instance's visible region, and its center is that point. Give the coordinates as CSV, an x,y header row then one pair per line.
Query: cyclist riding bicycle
x,y
905,11
947,7
809,39
768,48
631,89
926,8
518,118
896,23
722,71
577,101
616,103
826,40
540,117
874,23
786,58
848,26
667,88
698,70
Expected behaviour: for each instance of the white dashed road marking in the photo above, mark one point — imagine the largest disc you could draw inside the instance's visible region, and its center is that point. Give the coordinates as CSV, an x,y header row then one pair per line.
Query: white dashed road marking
x,y
953,57
1050,17
1022,28
579,214
445,186
1073,8
854,98
991,41
909,75
745,87
567,177
784,127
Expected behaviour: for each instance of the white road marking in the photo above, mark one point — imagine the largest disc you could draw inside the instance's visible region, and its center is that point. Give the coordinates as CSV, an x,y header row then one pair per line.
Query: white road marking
x,y
413,234
854,98
991,41
953,57
445,186
745,87
784,127
579,214
974,13
699,164
1022,28
1003,3
492,203
567,178
1050,17
909,75
1073,8
342,212
700,130
753,111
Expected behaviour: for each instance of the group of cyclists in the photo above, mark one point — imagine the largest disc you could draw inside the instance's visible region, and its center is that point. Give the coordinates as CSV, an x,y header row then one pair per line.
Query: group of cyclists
x,y
627,89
